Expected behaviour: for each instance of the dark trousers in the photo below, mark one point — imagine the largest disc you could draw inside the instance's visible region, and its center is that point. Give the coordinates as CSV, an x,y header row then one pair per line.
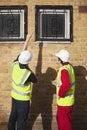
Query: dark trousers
x,y
19,115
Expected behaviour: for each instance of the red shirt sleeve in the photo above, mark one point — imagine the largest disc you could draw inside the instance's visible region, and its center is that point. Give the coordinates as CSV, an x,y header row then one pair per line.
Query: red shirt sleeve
x,y
65,83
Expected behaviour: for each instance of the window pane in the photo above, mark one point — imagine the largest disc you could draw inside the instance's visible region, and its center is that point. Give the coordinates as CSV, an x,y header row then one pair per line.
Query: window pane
x,y
10,25
53,25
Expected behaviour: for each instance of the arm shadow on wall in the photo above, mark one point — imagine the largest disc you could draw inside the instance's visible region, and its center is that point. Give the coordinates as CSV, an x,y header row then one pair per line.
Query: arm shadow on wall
x,y
80,108
42,96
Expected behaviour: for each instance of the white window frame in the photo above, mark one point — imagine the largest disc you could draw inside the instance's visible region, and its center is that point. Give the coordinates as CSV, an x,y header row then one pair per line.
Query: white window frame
x,y
66,11
12,10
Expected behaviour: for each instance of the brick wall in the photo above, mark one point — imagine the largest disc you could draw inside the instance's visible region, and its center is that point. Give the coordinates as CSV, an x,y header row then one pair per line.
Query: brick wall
x,y
43,106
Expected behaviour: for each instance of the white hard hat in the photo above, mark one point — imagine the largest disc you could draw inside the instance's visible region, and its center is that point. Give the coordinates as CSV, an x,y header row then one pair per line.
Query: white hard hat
x,y
63,55
25,57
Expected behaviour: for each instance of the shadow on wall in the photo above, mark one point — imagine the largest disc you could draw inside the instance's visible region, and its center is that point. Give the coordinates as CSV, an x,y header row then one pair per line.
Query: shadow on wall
x,y
42,95
80,108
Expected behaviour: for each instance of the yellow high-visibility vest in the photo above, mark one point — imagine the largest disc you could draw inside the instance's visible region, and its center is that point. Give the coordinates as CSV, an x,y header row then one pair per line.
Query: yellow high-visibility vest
x,y
20,90
68,99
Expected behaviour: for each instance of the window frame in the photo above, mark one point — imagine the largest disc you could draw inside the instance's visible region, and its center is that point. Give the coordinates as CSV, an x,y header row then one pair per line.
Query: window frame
x,y
61,8
22,10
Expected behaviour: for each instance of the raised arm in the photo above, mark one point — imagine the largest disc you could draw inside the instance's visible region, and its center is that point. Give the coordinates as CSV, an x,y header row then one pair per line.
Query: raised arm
x,y
26,42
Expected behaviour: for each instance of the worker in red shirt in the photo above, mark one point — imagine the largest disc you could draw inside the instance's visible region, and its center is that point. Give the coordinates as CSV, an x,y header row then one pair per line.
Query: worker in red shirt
x,y
65,90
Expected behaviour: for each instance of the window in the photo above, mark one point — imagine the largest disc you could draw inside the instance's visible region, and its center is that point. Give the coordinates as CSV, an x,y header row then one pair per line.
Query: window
x,y
53,23
13,23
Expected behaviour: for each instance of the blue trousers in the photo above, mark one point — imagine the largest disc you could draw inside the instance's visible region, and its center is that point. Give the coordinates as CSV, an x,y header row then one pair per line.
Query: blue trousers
x,y
19,114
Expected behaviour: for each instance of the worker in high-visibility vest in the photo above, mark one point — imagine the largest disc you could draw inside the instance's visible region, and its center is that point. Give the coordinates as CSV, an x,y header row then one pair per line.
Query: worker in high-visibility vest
x,y
22,77
65,90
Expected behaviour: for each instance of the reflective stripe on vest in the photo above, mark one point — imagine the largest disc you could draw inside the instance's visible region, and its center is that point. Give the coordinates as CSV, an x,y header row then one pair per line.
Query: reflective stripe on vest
x,y
24,76
69,95
23,94
68,99
20,85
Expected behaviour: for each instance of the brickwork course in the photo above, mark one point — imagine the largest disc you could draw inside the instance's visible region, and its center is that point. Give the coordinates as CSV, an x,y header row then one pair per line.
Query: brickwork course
x,y
44,64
